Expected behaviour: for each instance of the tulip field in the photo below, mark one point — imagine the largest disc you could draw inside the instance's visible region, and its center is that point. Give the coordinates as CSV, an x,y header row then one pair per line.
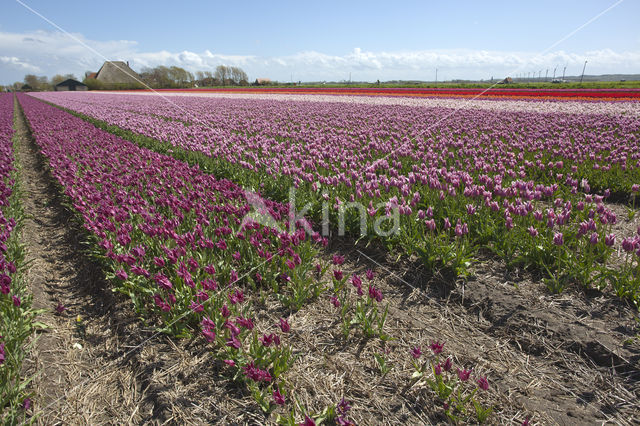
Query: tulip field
x,y
530,187
489,93
202,208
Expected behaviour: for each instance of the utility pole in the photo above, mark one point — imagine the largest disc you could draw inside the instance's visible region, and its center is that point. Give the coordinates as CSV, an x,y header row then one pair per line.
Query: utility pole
x,y
546,75
349,77
436,76
563,70
582,76
539,75
554,72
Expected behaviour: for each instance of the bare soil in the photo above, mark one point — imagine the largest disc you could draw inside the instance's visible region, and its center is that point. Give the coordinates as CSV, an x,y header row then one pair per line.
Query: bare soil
x,y
565,359
572,358
78,379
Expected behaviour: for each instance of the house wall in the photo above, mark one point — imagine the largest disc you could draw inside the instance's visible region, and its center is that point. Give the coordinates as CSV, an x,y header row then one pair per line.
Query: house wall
x,y
70,88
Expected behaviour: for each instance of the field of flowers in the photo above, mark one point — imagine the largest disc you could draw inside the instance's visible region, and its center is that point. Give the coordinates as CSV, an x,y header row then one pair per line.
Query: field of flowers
x,y
16,315
213,213
438,183
488,93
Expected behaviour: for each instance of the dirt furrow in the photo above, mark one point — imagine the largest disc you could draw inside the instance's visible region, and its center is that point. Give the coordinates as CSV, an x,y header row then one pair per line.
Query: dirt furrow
x,y
77,381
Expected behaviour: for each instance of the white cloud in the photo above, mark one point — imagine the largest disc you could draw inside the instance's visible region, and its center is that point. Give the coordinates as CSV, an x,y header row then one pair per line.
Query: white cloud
x,y
17,64
51,52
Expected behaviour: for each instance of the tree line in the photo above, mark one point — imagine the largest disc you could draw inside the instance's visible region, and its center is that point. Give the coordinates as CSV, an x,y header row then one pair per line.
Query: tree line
x,y
41,83
160,77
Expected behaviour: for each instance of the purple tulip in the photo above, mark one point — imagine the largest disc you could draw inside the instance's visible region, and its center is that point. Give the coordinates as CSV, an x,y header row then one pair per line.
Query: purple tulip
x,y
610,240
334,301
375,294
416,352
448,364
284,325
463,375
278,398
558,239
436,347
628,245
483,383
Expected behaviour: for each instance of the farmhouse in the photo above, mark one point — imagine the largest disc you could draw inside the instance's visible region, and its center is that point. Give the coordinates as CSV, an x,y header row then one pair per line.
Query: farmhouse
x,y
117,73
70,85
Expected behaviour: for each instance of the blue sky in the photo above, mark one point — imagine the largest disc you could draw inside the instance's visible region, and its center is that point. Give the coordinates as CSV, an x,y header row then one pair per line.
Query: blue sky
x,y
323,40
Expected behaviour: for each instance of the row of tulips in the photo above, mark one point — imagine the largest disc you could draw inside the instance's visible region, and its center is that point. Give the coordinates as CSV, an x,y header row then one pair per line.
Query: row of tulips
x,y
175,240
542,105
589,94
524,185
16,316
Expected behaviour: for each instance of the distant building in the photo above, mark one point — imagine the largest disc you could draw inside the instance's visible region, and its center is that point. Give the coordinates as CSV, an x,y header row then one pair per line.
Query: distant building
x,y
70,85
262,81
117,73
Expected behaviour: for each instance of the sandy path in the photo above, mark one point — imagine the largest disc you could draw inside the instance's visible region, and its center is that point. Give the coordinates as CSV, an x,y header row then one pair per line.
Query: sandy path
x,y
76,382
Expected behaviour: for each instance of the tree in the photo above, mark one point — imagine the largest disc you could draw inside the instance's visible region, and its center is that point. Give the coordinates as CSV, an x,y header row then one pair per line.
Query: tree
x,y
199,78
180,77
208,78
60,78
37,82
43,83
162,77
57,79
222,74
158,77
238,76
31,80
